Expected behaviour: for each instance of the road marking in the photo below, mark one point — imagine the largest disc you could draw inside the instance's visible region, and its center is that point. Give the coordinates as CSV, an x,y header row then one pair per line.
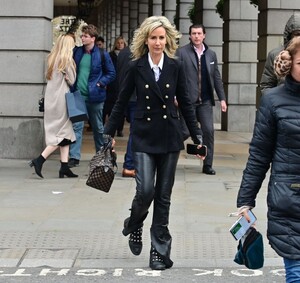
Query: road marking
x,y
119,272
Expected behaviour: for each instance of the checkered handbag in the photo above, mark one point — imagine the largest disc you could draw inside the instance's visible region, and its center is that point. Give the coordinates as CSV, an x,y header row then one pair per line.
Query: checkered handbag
x,y
103,168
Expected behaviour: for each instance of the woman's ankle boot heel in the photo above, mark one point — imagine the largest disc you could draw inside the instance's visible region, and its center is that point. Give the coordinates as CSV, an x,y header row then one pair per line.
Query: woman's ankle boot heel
x,y
66,171
37,164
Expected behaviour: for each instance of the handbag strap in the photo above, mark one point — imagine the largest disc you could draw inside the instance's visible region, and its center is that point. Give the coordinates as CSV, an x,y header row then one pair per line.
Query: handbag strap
x,y
113,161
108,146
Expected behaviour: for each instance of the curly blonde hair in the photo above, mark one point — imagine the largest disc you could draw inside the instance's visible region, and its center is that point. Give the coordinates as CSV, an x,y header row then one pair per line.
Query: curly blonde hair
x,y
138,46
62,53
283,61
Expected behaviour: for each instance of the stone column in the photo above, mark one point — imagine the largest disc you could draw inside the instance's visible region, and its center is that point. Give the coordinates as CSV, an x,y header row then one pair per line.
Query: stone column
x,y
110,26
170,9
133,15
214,27
113,22
118,18
100,24
214,39
184,20
239,70
28,39
125,20
143,10
157,7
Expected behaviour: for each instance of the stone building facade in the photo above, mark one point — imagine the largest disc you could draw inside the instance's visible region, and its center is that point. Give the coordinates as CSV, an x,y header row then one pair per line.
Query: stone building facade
x,y
241,40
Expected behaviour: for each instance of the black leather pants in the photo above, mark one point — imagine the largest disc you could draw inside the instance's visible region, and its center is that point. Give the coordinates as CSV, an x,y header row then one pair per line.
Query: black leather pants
x,y
158,190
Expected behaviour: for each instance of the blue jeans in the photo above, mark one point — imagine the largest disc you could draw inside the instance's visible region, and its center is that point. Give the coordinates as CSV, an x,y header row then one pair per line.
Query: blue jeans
x,y
75,148
95,117
128,158
95,111
292,270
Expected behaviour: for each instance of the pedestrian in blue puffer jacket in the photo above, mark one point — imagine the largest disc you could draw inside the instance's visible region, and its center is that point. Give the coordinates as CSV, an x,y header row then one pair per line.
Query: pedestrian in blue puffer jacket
x,y
93,76
276,144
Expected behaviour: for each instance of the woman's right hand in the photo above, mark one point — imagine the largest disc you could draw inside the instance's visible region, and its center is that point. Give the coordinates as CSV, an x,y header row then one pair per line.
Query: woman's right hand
x,y
113,142
244,211
246,215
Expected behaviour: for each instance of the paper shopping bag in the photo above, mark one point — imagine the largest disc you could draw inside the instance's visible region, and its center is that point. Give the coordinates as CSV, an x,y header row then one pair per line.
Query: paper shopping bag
x,y
76,107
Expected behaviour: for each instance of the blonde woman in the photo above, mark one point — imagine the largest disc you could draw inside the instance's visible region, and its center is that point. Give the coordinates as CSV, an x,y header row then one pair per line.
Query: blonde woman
x,y
157,140
61,73
119,44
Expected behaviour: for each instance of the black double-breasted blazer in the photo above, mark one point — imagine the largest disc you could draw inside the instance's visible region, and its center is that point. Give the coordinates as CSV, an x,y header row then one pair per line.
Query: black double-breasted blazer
x,y
156,126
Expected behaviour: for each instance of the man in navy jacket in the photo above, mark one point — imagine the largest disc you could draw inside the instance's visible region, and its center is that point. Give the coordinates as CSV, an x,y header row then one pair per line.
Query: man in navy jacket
x,y
93,76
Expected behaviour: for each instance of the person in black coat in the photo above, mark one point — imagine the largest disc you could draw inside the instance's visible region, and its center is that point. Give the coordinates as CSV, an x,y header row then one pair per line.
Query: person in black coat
x,y
276,143
123,61
157,139
112,88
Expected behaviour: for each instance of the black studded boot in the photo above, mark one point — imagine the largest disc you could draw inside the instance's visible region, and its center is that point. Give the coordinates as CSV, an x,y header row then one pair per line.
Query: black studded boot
x,y
135,241
156,262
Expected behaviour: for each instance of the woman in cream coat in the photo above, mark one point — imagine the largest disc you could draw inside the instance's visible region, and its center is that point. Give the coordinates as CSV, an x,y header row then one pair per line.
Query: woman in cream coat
x,y
61,74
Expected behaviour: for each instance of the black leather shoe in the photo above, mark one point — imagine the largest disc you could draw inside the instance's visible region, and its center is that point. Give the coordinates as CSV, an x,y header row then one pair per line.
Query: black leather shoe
x,y
208,170
156,262
73,162
65,171
135,241
120,134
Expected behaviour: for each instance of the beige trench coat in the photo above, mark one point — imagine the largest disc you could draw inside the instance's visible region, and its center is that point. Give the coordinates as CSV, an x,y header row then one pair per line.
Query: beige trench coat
x,y
57,124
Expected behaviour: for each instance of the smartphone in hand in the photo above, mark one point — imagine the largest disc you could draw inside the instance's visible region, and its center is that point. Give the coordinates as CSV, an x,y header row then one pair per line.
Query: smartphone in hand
x,y
194,150
241,226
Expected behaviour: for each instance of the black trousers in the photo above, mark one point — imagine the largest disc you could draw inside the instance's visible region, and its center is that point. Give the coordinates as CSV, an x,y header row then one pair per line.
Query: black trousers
x,y
155,176
205,116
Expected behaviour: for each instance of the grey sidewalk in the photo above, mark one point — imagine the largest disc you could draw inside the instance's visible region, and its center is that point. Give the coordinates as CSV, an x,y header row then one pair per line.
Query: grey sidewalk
x,y
63,223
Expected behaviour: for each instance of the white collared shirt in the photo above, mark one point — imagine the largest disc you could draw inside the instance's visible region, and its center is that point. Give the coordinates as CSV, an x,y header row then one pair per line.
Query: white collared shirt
x,y
156,68
198,52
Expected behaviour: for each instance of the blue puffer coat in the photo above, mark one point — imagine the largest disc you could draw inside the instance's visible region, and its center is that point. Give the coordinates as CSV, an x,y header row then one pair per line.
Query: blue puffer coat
x,y
98,75
276,142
